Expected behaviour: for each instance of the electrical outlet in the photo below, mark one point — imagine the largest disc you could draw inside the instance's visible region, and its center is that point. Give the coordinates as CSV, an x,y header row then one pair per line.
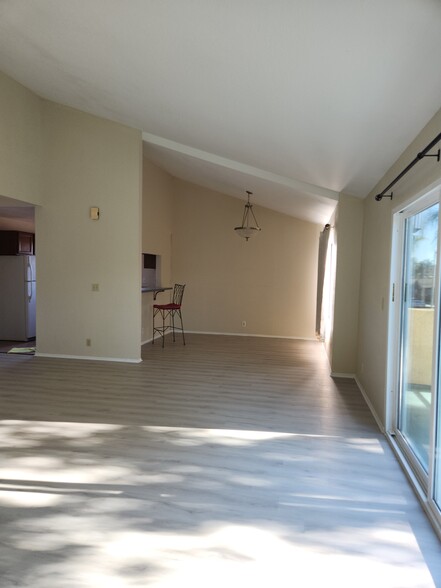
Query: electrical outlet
x,y
88,342
95,287
244,323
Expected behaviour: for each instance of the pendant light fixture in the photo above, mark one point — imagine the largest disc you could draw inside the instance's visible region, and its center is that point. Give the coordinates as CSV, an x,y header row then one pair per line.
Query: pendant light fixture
x,y
247,230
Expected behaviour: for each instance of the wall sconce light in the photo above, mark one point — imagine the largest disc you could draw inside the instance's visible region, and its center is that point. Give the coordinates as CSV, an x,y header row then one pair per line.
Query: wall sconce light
x,y
94,213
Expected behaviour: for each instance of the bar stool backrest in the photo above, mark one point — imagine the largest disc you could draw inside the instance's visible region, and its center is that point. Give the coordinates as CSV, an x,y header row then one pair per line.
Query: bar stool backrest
x,y
178,293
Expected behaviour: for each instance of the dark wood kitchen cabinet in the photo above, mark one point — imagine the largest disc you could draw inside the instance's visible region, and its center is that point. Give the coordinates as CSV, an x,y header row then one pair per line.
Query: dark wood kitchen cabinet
x,y
17,243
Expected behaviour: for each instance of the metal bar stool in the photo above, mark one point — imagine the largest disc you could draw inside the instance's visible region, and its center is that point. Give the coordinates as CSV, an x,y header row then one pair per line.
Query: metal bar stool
x,y
170,310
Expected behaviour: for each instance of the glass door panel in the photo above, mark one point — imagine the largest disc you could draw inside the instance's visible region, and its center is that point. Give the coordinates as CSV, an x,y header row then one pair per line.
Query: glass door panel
x,y
417,331
437,477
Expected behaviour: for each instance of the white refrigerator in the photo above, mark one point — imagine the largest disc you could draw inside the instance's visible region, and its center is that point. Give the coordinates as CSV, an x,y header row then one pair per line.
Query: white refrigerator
x,y
17,297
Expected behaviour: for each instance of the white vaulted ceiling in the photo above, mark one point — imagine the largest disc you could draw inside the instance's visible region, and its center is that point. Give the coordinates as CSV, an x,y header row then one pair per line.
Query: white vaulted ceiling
x,y
295,100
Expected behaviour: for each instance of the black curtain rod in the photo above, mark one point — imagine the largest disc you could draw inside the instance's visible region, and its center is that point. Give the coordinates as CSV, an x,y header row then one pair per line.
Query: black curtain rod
x,y
420,156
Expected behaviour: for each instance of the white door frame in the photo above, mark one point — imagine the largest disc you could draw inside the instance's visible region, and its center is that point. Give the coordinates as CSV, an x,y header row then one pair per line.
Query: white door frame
x,y
422,482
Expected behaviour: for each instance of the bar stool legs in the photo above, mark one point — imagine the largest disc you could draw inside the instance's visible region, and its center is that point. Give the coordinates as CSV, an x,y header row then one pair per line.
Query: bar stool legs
x,y
169,311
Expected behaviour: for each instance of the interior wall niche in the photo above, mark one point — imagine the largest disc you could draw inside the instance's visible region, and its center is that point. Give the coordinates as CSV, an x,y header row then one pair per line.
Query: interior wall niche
x,y
151,270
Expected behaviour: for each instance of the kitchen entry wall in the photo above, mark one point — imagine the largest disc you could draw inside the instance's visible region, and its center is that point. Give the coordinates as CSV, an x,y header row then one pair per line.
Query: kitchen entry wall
x,y
89,162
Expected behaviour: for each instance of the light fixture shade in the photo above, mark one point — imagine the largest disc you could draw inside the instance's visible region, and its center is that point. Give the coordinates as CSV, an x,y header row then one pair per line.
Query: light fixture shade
x,y
247,230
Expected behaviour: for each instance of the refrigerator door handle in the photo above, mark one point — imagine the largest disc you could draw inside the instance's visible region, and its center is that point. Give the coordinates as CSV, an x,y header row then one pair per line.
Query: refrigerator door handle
x,y
29,275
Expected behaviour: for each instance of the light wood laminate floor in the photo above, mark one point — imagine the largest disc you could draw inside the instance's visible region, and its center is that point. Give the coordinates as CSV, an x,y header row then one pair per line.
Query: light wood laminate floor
x,y
230,462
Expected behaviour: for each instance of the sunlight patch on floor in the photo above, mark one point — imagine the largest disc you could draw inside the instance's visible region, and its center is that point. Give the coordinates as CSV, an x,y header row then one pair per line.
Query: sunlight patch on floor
x,y
27,434
238,555
52,470
129,508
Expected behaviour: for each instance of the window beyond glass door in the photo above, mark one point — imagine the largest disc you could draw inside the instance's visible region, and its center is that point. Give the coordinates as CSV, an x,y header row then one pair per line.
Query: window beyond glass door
x,y
417,331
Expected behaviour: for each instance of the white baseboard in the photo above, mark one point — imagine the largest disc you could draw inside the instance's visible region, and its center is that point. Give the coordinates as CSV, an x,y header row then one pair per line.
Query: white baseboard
x,y
365,396
371,408
151,339
158,336
251,335
88,357
234,335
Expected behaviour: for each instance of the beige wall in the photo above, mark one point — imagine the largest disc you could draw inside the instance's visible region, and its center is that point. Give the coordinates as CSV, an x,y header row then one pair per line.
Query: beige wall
x,y
89,162
269,281
20,142
419,346
157,203
375,265
67,161
348,229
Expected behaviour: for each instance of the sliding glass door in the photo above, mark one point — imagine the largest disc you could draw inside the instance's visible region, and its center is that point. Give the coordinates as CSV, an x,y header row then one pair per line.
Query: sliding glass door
x,y
416,422
417,330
